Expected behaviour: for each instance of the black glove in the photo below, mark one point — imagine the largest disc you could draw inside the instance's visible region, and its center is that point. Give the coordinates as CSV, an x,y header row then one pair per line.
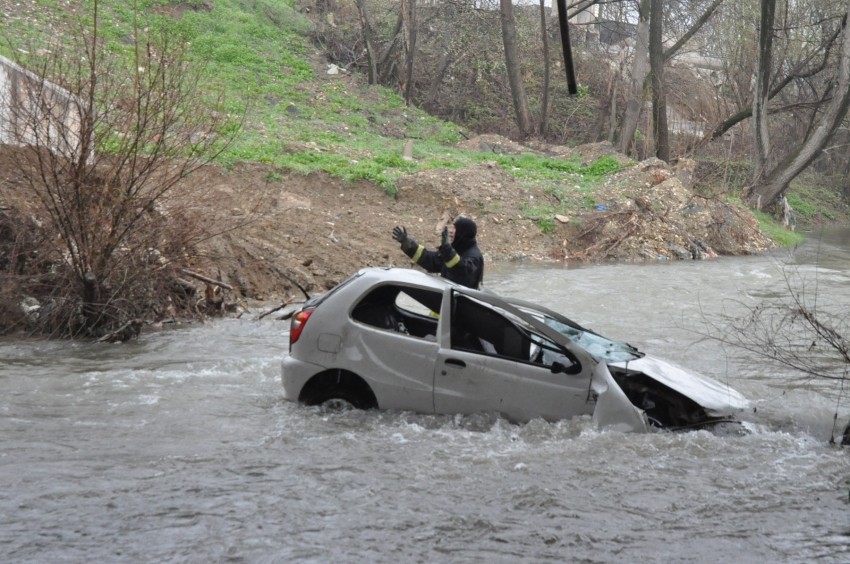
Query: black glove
x,y
444,236
408,244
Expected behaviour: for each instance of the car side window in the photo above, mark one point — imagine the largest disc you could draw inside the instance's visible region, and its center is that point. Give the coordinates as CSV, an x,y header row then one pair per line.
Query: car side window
x,y
478,328
545,352
402,309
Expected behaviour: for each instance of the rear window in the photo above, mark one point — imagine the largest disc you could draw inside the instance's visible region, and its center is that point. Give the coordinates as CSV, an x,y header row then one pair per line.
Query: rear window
x,y
316,300
404,309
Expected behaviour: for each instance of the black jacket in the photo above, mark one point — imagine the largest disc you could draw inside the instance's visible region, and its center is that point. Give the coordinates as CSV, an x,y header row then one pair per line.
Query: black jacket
x,y
460,261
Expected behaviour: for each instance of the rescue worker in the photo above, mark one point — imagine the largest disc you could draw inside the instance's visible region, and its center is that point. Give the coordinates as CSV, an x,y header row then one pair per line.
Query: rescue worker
x,y
460,260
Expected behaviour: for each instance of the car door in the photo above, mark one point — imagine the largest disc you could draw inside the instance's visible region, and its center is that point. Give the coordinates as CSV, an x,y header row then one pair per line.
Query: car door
x,y
488,363
393,345
398,367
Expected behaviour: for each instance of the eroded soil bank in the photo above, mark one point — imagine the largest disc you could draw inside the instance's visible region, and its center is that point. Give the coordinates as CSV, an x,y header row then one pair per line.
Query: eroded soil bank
x,y
316,230
270,234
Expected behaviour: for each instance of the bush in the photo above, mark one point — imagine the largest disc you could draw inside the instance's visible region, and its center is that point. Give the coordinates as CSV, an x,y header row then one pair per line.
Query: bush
x,y
99,168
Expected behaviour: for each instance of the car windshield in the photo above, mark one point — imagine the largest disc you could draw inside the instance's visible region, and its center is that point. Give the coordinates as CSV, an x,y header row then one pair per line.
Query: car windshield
x,y
597,345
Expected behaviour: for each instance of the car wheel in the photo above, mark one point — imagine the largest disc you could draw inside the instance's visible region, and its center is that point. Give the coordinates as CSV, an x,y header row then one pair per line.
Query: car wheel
x,y
339,387
337,404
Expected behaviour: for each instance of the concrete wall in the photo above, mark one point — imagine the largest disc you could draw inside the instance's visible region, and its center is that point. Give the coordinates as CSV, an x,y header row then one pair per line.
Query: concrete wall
x,y
36,112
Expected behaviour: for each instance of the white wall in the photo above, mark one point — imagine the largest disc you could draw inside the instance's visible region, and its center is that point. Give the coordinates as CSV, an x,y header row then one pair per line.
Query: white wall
x,y
34,111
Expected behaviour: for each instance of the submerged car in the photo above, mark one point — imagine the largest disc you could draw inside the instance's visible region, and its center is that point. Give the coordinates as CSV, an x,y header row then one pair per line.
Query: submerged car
x,y
400,339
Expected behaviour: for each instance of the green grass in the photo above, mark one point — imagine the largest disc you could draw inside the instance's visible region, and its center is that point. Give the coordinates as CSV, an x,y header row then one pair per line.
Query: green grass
x,y
804,208
298,118
779,234
303,120
817,199
568,184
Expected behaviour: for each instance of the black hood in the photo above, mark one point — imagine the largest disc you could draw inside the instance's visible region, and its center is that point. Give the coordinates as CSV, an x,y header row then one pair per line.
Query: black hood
x,y
465,231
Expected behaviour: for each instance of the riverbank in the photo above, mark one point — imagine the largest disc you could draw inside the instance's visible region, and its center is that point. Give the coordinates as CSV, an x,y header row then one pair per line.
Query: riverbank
x,y
267,235
287,230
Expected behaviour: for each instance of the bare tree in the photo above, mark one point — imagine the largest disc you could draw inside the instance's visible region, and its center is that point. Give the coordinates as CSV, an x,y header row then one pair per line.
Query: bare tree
x,y
102,179
765,67
640,69
649,60
408,17
368,34
772,179
659,96
544,96
512,65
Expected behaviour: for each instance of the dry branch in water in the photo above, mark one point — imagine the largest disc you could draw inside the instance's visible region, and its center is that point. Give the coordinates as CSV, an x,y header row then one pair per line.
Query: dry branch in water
x,y
792,331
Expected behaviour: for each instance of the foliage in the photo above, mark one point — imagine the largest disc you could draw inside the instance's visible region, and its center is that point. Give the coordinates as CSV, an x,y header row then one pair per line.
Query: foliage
x,y
603,166
779,234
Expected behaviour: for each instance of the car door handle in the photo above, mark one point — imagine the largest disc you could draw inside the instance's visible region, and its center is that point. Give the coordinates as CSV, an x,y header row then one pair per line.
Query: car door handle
x,y
456,362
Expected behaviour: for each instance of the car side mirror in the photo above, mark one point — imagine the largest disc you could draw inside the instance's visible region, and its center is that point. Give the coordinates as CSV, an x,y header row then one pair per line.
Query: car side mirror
x,y
559,367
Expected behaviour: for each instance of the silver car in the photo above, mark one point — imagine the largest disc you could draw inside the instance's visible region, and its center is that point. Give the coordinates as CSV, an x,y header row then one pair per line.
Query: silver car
x,y
397,338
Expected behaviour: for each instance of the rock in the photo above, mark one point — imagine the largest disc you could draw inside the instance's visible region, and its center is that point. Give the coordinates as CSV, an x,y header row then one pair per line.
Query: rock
x,y
685,169
407,151
681,253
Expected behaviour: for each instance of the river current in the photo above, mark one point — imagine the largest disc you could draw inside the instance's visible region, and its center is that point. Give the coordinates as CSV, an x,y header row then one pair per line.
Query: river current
x,y
179,447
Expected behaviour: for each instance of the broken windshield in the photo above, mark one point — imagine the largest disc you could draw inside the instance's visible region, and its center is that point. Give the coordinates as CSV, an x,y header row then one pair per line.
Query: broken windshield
x,y
597,345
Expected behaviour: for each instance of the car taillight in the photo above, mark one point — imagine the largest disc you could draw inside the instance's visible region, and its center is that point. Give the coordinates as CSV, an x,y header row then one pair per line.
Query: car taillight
x,y
299,320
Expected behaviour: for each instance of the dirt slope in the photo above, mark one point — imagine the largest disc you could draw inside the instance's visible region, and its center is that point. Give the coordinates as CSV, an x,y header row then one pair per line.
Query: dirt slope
x,y
316,230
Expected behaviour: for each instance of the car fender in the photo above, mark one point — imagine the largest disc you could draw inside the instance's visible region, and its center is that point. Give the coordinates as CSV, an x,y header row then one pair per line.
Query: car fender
x,y
613,409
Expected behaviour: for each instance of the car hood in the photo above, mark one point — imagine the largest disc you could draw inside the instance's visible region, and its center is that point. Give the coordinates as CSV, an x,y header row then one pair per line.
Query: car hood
x,y
717,398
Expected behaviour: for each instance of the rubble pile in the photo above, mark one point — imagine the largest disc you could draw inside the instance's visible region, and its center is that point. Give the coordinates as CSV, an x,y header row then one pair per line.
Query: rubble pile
x,y
649,212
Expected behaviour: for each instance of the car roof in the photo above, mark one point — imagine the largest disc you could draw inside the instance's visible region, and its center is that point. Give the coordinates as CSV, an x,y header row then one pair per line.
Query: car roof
x,y
405,276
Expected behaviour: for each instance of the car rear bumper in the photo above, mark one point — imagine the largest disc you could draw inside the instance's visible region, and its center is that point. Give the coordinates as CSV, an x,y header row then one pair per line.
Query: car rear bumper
x,y
294,374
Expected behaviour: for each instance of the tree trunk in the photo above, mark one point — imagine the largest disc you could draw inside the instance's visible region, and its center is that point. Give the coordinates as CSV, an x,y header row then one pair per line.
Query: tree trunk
x,y
660,133
778,178
607,122
386,64
366,30
544,102
762,78
640,68
437,81
509,38
408,11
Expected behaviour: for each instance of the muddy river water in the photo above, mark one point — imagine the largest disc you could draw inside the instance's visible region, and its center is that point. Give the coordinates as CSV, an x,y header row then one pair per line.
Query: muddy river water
x,y
179,447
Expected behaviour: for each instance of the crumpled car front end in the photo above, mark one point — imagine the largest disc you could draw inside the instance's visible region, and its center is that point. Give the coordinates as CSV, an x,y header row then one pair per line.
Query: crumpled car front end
x,y
635,391
674,398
